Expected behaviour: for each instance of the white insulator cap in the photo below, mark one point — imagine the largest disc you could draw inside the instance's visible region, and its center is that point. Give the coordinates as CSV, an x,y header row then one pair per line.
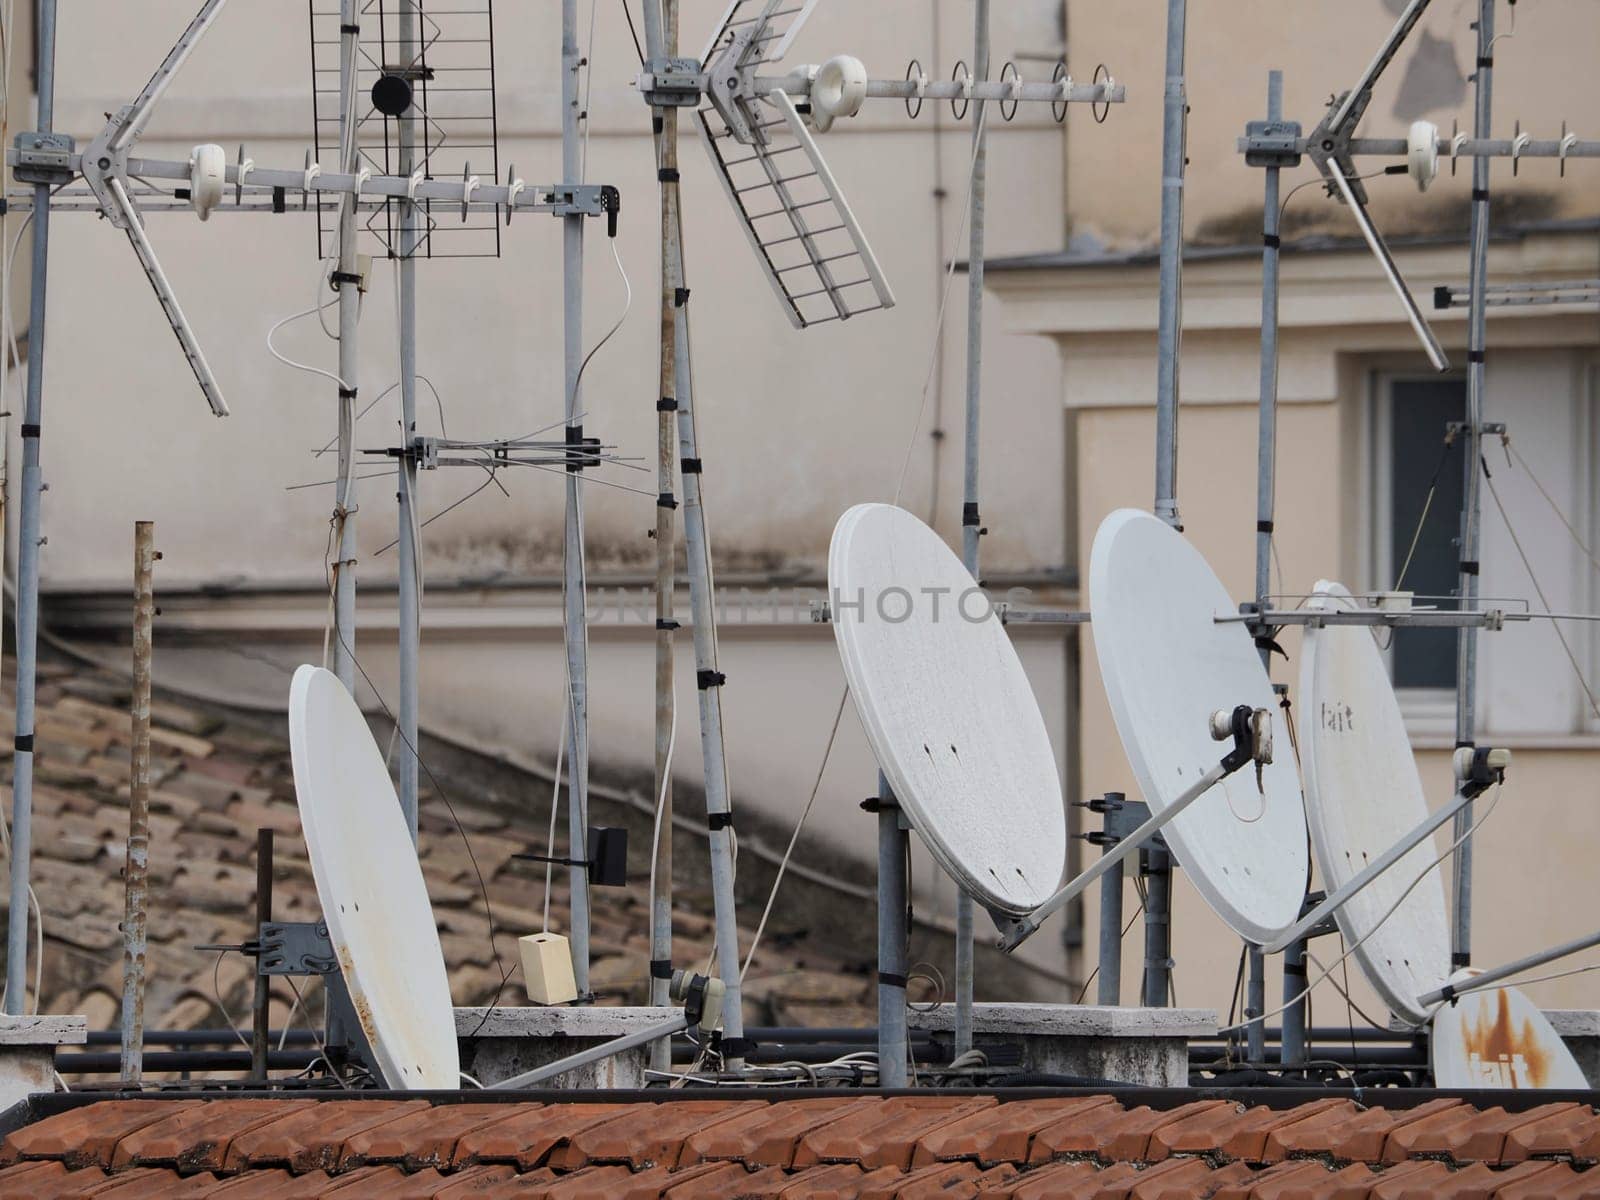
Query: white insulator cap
x,y
839,90
1422,153
208,178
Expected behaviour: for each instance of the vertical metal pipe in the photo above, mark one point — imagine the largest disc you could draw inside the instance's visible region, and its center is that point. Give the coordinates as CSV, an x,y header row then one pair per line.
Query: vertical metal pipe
x,y
1292,1049
1155,865
1110,976
344,509
893,1038
709,681
410,569
1170,329
666,124
1267,449
654,35
137,869
261,1009
971,523
1255,1004
29,541
575,577
1472,497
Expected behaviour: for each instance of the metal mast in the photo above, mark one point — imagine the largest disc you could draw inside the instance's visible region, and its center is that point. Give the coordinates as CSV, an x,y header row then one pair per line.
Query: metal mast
x,y
347,280
1472,498
971,524
29,540
574,576
1173,163
666,127
410,570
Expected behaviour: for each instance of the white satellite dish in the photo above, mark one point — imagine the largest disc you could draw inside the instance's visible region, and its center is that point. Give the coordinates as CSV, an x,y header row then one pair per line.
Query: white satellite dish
x,y
1497,1038
1167,665
371,887
1363,795
947,708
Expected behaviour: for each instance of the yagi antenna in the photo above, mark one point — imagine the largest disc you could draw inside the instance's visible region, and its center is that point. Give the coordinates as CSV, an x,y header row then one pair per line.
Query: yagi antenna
x,y
105,170
799,223
1329,148
758,131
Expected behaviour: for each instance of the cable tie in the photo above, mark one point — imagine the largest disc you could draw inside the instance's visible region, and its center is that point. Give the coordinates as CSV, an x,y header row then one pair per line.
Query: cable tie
x,y
349,29
710,679
1480,195
969,515
1469,568
1263,526
693,466
889,979
1476,356
680,297
719,821
30,431
667,175
24,743
1271,241
667,404
347,393
666,500
666,625
660,968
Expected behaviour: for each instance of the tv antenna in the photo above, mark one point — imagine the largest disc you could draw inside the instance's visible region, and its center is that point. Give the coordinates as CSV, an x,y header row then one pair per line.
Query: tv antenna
x,y
111,173
759,129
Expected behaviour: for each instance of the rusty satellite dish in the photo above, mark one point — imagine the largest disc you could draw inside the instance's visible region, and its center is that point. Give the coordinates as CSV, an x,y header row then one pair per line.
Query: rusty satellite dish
x,y
371,887
1497,1038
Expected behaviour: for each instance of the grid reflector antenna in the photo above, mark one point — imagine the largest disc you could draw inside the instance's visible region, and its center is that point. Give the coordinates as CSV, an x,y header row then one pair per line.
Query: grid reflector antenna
x,y
799,223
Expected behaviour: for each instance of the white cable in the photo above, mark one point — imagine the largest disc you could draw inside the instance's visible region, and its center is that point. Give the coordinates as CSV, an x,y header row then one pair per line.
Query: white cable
x,y
300,366
1393,908
555,807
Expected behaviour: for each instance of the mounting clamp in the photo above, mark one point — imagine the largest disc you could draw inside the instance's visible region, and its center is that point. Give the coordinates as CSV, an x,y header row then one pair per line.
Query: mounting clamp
x,y
672,82
43,158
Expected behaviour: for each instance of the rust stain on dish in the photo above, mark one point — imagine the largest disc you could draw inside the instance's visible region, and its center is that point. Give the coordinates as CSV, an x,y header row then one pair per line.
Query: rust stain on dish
x,y
1503,1052
358,999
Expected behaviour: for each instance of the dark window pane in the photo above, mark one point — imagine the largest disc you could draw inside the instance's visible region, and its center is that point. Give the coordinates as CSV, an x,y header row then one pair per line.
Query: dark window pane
x,y
1425,658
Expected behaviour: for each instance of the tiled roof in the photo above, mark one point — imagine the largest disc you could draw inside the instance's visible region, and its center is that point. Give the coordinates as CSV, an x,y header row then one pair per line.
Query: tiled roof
x,y
218,776
1099,1147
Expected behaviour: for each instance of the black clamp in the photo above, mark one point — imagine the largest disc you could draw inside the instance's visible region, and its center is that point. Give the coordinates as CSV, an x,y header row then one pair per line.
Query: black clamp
x,y
661,968
705,680
1239,726
607,861
582,452
1483,774
611,205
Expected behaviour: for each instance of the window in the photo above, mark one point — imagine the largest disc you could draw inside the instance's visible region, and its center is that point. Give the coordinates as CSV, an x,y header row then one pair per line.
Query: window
x,y
1545,479
1425,485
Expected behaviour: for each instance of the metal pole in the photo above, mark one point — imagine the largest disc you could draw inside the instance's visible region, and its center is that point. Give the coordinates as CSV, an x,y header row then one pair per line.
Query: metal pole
x,y
1292,1044
410,569
971,523
137,870
1267,451
575,577
1255,1003
260,1046
1489,978
596,1054
893,1038
1173,163
1472,498
709,681
666,119
1109,991
29,541
347,279
1155,865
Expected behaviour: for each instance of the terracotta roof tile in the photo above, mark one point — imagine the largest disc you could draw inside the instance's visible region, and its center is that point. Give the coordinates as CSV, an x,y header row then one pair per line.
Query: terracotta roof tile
x,y
1248,1137
35,1179
87,1135
650,1135
394,1184
1559,1183
1356,1134
538,1138
1003,1133
313,1138
141,1183
197,1138
271,1185
1560,1129
887,1135
1072,1181
428,1138
767,1135
1114,1133
830,1181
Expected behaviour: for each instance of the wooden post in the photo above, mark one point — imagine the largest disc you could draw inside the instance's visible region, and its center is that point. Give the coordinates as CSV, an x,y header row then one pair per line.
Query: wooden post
x,y
137,871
